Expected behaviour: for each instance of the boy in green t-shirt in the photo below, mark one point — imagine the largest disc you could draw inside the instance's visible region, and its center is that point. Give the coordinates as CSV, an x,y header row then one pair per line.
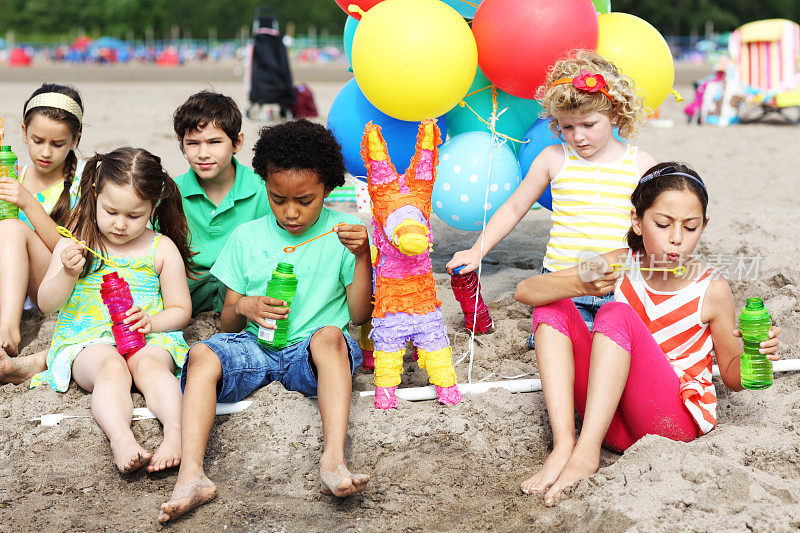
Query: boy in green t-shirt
x,y
219,193
301,163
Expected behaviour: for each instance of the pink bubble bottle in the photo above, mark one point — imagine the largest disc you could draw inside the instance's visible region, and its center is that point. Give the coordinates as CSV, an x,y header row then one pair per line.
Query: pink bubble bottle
x,y
466,288
116,295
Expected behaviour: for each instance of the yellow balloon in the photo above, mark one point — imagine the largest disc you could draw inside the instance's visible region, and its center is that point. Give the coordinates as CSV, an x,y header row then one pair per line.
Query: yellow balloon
x,y
414,59
637,49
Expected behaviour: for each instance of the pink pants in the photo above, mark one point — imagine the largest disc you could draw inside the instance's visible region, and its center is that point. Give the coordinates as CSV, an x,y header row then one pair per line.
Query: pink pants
x,y
650,402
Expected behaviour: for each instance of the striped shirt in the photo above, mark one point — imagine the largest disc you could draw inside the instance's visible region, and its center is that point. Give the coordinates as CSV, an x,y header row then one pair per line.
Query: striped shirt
x,y
674,320
591,207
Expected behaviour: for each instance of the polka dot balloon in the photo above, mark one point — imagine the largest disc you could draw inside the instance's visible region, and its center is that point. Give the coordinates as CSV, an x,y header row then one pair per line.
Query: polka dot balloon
x,y
464,173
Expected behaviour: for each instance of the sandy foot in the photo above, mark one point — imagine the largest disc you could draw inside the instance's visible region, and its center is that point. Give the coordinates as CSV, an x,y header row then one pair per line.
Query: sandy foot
x,y
168,455
21,368
548,474
196,492
10,343
130,456
341,482
576,469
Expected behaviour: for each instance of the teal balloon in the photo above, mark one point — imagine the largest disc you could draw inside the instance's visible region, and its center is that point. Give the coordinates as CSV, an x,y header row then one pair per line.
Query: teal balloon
x,y
464,9
468,164
514,122
602,6
349,33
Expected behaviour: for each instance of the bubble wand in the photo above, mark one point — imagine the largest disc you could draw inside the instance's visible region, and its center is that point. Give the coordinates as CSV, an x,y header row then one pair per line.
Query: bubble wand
x,y
678,270
68,234
290,249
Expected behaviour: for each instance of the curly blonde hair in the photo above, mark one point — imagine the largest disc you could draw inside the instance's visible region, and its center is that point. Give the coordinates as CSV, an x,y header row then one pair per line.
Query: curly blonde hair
x,y
562,99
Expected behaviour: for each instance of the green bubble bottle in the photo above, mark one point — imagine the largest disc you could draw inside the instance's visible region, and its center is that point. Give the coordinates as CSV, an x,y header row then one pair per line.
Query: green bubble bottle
x,y
282,286
8,160
754,324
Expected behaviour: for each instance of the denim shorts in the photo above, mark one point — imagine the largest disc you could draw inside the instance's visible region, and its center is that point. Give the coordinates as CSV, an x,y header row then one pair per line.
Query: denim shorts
x,y
588,306
247,366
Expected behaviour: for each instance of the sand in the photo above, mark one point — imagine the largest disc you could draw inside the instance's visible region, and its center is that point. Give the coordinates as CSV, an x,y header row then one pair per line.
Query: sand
x,y
433,467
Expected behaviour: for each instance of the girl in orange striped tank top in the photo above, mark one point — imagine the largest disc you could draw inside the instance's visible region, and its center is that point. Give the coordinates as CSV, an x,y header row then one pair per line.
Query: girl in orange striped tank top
x,y
646,368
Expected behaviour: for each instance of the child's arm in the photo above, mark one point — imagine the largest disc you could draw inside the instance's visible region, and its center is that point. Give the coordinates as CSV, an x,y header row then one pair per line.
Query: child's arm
x,y
13,191
359,293
65,267
174,291
511,212
719,311
594,277
238,309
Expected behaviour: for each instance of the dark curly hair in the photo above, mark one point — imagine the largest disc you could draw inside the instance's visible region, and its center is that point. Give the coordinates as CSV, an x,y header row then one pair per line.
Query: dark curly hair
x,y
300,145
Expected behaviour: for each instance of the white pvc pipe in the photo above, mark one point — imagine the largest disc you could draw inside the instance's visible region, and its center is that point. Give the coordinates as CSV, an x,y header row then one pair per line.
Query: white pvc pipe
x,y
530,385
222,409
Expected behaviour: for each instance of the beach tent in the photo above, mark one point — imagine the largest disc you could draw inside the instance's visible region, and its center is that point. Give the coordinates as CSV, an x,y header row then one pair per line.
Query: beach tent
x,y
19,58
766,54
169,57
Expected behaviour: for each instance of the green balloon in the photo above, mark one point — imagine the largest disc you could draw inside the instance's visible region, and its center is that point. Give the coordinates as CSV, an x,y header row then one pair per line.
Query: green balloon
x,y
514,122
602,6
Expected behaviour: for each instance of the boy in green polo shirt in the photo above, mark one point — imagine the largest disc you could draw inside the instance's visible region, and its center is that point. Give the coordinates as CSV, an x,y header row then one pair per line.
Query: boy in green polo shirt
x,y
301,163
219,193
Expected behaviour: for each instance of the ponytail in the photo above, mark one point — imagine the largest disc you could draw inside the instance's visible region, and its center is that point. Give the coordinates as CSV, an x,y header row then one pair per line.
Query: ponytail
x,y
83,219
170,220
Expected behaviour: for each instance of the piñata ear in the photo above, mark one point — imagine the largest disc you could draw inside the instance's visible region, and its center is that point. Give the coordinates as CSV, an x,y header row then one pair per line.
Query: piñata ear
x,y
375,155
426,155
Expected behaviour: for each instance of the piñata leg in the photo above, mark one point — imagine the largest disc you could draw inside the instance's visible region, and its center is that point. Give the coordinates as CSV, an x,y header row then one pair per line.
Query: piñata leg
x,y
436,357
367,347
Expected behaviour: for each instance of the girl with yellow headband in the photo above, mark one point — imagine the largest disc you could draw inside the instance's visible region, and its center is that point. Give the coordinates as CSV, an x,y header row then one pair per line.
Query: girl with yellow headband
x,y
45,193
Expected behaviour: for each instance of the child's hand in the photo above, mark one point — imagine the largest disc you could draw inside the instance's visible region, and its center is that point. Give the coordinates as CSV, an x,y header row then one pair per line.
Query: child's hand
x,y
11,190
598,276
768,347
138,320
258,308
355,238
72,258
469,258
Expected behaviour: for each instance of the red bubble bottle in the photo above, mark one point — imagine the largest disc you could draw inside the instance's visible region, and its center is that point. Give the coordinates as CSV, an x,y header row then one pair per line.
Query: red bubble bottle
x,y
466,289
116,295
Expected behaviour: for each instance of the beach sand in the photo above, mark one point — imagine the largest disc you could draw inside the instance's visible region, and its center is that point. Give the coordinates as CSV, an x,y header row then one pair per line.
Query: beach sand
x,y
433,467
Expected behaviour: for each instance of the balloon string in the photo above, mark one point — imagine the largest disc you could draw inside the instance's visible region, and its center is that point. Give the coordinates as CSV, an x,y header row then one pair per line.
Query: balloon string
x,y
476,91
463,103
472,4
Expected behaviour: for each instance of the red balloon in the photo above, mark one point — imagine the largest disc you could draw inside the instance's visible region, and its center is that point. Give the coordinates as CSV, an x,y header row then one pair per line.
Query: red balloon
x,y
518,40
365,5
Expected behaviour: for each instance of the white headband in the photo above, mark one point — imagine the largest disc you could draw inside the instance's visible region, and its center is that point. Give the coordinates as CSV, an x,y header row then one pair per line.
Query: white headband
x,y
57,100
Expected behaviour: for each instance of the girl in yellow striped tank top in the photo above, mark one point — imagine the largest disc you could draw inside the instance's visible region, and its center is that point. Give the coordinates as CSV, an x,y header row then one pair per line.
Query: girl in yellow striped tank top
x,y
591,175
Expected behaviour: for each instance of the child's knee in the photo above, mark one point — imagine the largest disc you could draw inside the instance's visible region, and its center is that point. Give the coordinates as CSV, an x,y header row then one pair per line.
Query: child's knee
x,y
613,312
202,357
328,342
114,368
12,229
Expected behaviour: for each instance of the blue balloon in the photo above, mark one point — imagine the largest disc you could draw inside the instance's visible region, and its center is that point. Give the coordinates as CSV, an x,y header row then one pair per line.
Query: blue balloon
x,y
349,33
464,173
540,137
348,115
464,9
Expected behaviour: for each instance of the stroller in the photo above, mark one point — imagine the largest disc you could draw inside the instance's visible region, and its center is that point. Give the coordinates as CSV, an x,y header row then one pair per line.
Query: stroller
x,y
766,54
267,77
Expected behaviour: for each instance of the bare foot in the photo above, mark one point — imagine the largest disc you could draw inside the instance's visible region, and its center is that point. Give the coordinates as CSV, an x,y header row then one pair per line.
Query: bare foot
x,y
549,472
168,455
186,497
22,368
130,456
578,467
9,342
339,481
